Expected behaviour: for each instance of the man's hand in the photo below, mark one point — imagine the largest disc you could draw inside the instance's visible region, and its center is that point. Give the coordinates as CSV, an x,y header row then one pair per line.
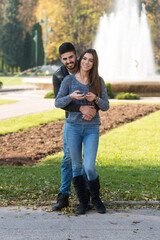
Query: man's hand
x,y
88,112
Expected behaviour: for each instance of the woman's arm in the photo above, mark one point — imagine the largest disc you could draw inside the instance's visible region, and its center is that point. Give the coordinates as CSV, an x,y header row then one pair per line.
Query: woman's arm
x,y
103,102
64,97
71,107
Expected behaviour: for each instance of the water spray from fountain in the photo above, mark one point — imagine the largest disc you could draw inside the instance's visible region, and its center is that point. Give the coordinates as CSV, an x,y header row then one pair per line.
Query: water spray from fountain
x,y
34,71
123,44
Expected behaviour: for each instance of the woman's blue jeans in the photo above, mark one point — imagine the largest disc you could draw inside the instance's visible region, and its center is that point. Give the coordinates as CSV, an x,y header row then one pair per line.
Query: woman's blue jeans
x,y
88,136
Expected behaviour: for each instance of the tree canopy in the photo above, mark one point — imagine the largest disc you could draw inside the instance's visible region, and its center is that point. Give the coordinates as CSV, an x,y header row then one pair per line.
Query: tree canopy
x,y
153,10
77,21
72,20
11,34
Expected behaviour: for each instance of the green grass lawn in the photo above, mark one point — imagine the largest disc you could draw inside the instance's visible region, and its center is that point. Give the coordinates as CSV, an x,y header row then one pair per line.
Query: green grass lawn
x,y
128,164
11,80
25,122
129,160
5,101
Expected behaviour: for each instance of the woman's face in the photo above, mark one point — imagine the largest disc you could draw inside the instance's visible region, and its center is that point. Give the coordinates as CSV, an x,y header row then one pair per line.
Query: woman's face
x,y
87,62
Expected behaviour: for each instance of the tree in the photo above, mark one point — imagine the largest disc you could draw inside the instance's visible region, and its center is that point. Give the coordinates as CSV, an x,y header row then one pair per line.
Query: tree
x,y
1,10
153,10
40,62
72,20
27,13
11,35
27,52
1,22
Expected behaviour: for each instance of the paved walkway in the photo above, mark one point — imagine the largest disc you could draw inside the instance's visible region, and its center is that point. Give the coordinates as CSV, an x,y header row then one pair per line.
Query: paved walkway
x,y
31,100
27,224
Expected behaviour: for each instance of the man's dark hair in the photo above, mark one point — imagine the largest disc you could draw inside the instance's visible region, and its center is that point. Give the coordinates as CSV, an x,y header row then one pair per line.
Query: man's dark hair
x,y
66,47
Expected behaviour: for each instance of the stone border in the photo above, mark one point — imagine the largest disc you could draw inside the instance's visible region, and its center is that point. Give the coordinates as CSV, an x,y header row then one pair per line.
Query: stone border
x,y
143,89
144,203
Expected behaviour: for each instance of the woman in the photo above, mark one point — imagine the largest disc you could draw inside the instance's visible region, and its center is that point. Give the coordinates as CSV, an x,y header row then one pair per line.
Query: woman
x,y
84,88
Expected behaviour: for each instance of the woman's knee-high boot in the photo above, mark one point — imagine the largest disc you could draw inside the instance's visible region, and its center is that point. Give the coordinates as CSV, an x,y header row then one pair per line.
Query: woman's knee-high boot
x,y
94,187
79,185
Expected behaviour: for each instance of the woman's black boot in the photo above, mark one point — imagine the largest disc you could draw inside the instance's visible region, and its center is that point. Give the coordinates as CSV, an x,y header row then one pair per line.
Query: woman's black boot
x,y
94,187
90,205
79,185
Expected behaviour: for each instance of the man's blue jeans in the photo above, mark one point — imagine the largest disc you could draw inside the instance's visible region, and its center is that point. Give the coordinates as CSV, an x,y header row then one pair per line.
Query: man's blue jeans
x,y
89,136
66,167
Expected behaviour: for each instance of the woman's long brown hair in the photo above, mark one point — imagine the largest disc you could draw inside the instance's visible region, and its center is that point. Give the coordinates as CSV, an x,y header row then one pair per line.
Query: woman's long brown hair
x,y
94,78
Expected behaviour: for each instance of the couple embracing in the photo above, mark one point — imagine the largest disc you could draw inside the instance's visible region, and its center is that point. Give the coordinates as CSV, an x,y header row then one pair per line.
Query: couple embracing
x,y
81,92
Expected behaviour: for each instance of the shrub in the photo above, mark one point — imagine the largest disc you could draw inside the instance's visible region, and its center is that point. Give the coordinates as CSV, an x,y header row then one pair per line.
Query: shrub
x,y
49,95
109,90
1,84
130,96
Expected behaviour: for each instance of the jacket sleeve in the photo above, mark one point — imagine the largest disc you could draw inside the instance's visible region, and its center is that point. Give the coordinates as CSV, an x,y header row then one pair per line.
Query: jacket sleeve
x,y
71,107
56,84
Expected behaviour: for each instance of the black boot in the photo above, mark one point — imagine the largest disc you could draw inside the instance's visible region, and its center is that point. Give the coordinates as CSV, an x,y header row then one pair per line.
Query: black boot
x,y
62,201
90,205
79,185
94,187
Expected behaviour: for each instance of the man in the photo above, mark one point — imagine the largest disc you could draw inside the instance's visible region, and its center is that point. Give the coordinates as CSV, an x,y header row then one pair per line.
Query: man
x,y
70,66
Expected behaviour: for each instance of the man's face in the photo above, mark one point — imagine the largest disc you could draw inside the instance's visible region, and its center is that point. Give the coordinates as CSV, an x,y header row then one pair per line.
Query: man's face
x,y
69,60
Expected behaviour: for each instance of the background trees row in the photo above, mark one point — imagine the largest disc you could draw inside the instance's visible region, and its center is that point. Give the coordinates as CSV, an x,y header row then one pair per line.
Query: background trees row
x,y
153,10
71,20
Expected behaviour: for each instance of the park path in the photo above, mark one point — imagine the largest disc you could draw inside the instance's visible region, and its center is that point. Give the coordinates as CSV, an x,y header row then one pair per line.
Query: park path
x,y
19,223
30,100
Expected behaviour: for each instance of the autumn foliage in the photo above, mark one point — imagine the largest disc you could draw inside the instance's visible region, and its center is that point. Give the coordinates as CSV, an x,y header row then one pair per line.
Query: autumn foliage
x,y
75,21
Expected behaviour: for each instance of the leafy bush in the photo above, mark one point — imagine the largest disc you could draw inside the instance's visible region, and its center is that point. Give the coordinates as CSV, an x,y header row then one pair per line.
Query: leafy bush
x,y
49,95
109,90
1,84
130,96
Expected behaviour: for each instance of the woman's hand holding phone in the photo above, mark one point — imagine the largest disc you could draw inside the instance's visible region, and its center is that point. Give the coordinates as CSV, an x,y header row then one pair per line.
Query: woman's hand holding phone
x,y
77,95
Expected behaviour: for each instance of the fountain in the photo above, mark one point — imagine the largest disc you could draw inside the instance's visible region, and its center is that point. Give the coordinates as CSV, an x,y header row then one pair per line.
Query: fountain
x,y
124,46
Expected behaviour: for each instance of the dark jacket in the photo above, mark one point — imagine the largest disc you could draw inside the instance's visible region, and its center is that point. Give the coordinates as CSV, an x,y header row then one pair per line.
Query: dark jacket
x,y
58,77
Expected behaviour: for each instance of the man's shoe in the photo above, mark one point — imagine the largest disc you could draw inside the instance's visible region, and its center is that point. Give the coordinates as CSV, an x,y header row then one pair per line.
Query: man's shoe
x,y
62,201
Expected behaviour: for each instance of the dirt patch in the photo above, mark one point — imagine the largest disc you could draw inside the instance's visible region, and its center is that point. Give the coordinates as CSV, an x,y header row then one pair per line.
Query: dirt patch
x,y
29,147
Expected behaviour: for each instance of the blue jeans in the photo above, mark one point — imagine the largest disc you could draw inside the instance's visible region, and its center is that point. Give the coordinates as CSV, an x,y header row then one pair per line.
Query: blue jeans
x,y
66,167
89,136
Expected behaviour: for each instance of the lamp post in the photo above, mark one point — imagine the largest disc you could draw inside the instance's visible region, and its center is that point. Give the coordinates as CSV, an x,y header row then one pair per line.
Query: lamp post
x,y
45,33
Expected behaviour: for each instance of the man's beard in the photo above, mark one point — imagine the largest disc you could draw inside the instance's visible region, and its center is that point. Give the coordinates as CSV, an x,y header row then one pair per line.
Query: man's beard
x,y
71,68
